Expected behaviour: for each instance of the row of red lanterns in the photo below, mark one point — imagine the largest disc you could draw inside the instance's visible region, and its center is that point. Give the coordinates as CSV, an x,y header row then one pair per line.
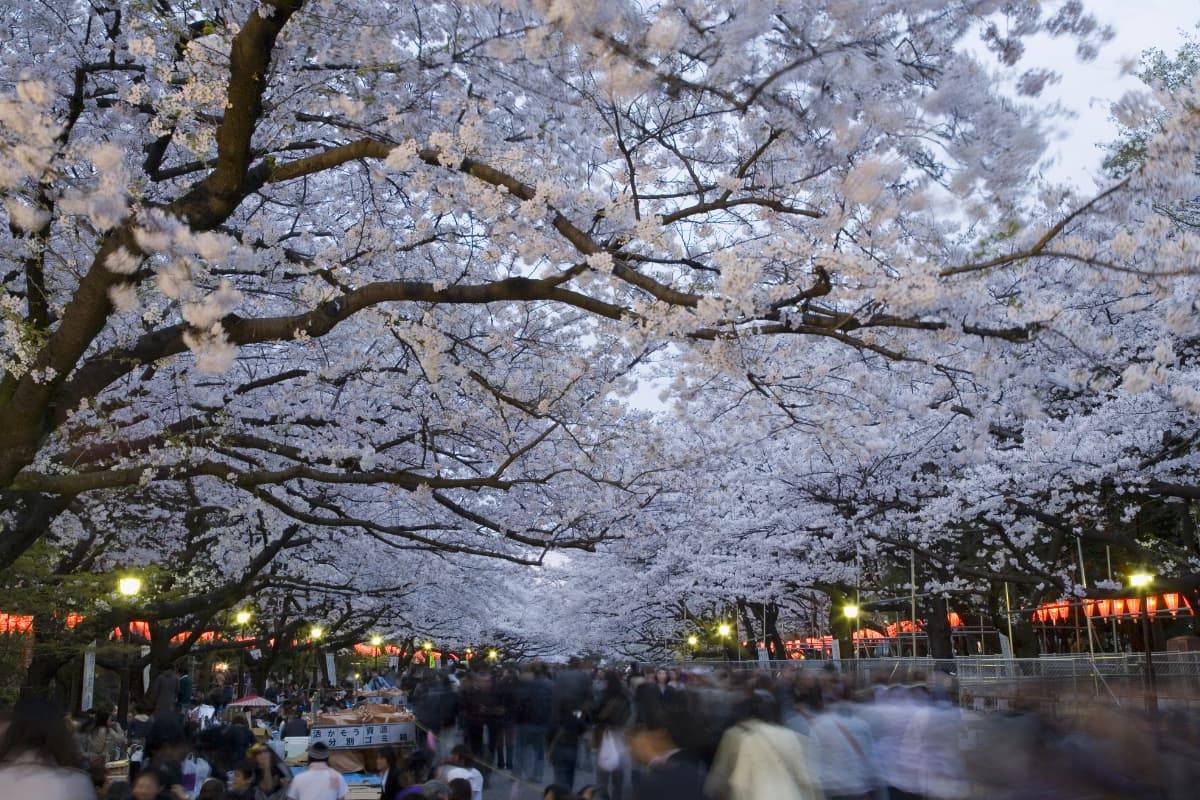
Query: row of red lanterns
x,y
1062,610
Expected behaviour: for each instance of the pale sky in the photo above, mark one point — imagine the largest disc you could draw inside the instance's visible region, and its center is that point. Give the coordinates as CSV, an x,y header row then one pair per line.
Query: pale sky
x,y
1088,88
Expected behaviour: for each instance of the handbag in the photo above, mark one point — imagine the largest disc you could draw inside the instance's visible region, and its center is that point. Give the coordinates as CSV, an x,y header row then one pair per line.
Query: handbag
x,y
609,757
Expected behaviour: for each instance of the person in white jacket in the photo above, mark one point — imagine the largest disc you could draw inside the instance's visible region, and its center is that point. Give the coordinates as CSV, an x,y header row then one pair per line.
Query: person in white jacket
x,y
759,759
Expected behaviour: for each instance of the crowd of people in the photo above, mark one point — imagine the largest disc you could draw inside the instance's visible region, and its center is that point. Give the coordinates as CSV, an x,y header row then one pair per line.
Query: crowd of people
x,y
617,733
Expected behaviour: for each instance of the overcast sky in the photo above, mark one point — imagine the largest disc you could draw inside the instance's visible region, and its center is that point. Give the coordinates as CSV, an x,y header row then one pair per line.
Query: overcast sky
x,y
1088,88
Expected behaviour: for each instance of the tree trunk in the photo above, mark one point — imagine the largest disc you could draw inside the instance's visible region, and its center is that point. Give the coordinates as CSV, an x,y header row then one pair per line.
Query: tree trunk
x,y
937,629
748,627
774,641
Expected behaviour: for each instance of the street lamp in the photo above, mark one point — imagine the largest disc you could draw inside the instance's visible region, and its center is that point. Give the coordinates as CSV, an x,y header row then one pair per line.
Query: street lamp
x,y
376,642
316,633
1142,582
850,612
723,630
493,655
128,587
242,618
693,641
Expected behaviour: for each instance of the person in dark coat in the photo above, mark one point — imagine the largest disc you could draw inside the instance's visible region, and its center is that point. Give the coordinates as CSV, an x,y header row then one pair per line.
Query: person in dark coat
x,y
669,771
164,692
564,744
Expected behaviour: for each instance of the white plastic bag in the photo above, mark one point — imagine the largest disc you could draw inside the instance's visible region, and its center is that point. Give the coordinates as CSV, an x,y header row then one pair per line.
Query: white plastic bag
x,y
609,757
195,772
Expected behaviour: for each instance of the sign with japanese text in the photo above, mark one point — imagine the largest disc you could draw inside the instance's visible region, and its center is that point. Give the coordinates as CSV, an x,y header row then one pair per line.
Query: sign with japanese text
x,y
368,734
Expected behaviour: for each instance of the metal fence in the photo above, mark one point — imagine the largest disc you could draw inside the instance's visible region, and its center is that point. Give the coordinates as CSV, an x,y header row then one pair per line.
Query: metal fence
x,y
998,680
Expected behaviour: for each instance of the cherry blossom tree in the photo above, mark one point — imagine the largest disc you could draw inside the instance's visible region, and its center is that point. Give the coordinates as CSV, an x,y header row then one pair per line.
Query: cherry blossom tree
x,y
387,275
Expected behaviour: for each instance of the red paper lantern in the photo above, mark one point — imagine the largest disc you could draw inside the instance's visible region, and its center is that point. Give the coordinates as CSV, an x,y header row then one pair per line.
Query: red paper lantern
x,y
1171,599
1133,605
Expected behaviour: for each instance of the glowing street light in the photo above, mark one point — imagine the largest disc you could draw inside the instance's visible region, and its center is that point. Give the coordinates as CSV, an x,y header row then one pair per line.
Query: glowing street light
x,y
850,612
316,633
129,586
376,641
428,646
221,666
693,640
1140,580
493,655
724,629
242,617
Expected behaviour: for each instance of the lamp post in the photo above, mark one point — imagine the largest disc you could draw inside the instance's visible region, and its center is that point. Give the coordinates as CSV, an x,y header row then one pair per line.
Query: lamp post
x,y
850,612
128,587
314,634
1142,581
723,631
242,618
376,642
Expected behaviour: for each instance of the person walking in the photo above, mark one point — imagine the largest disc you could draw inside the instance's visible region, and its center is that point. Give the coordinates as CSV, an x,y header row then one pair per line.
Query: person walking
x,y
612,715
164,692
760,758
564,744
534,715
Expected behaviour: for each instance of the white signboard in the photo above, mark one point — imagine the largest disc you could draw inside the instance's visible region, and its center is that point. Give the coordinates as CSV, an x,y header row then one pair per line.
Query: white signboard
x,y
329,667
89,677
365,735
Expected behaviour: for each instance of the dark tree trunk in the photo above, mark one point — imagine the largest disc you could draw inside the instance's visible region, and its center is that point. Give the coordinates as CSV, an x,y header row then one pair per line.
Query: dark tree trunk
x,y
937,629
748,627
774,641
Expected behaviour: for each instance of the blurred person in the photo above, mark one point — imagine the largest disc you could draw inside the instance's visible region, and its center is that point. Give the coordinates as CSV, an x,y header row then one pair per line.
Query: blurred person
x,y
612,715
157,783
760,758
474,700
414,771
39,758
461,765
669,772
500,724
103,739
438,790
294,724
842,753
243,782
565,739
164,691
120,790
240,737
387,767
212,789
534,714
273,776
318,782
460,789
